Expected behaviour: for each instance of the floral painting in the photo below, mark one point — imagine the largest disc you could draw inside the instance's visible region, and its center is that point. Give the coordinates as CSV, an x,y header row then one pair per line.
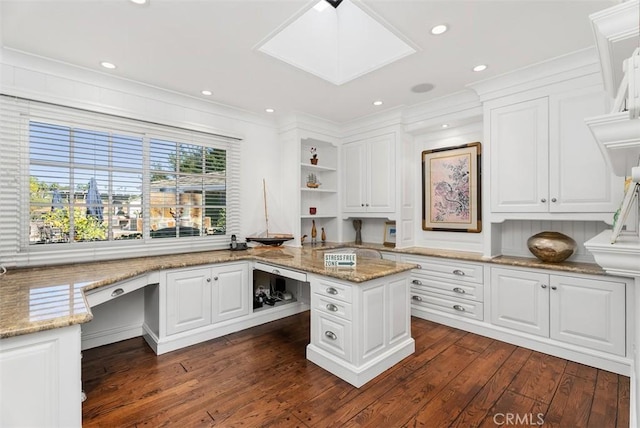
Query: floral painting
x,y
451,190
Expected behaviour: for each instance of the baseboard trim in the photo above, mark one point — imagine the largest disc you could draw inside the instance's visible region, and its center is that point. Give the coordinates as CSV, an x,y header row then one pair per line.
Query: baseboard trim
x,y
113,335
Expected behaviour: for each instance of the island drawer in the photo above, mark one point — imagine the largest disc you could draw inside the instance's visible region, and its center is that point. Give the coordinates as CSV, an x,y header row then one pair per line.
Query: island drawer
x,y
461,307
332,306
459,289
332,334
331,289
278,270
448,269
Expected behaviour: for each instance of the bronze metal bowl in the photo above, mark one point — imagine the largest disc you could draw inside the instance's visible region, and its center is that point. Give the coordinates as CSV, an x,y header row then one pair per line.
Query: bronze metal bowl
x,y
551,247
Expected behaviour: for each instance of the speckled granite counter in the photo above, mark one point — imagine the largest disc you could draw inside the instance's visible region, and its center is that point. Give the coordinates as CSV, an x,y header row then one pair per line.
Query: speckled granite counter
x,y
36,299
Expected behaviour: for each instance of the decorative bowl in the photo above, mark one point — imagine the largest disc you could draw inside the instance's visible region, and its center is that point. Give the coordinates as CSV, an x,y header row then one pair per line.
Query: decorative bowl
x,y
551,247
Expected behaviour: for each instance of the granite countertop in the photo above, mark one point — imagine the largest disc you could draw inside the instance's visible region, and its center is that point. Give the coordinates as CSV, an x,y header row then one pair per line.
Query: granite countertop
x,y
42,298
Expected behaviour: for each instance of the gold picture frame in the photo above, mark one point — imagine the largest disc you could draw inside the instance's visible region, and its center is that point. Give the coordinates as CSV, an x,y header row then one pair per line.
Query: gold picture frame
x,y
451,189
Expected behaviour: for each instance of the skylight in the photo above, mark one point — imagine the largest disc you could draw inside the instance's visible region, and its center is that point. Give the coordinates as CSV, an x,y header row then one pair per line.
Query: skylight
x,y
337,44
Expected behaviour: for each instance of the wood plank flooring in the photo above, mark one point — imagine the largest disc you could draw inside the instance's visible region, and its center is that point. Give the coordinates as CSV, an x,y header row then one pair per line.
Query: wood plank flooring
x,y
260,378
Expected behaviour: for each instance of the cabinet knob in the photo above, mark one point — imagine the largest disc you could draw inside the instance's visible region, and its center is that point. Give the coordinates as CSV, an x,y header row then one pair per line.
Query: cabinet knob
x,y
208,279
331,307
117,292
458,272
543,285
553,287
362,205
554,200
459,308
418,266
367,205
417,298
416,282
331,290
215,278
543,200
459,290
331,335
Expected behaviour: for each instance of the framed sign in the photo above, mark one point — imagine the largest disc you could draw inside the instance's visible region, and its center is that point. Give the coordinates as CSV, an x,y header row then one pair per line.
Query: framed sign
x,y
389,234
451,189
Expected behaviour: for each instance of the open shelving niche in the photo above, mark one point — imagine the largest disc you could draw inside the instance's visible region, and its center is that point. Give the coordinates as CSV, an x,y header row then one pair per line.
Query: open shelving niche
x,y
325,197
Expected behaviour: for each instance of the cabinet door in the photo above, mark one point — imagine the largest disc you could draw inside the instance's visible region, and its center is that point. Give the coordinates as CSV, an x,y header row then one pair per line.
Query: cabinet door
x,y
188,300
520,300
589,313
380,176
354,157
580,178
519,157
230,292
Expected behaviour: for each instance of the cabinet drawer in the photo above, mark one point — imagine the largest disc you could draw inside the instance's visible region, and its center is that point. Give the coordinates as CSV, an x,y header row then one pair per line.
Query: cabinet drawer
x,y
103,294
458,289
332,289
453,270
277,270
332,306
465,308
332,334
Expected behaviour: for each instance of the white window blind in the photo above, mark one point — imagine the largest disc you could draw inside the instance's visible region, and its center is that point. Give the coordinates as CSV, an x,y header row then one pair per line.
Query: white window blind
x,y
75,181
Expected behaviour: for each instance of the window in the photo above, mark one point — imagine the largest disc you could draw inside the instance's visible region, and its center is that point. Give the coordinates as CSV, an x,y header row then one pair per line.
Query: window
x,y
102,179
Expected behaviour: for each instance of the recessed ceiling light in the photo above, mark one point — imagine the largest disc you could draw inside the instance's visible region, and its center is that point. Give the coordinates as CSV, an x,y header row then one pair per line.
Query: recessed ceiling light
x,y
139,1
445,125
480,67
270,110
439,29
377,103
205,92
108,65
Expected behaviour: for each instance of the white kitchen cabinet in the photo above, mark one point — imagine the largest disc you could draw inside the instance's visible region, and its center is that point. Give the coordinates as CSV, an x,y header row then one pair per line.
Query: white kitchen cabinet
x,y
583,311
448,287
545,160
199,297
369,175
359,330
40,379
188,299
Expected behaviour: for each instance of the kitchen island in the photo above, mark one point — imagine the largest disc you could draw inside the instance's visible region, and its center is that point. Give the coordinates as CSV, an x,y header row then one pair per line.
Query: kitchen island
x,y
358,332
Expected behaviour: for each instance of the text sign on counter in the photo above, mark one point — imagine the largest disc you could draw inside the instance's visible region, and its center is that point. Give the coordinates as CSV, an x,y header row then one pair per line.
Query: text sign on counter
x,y
340,260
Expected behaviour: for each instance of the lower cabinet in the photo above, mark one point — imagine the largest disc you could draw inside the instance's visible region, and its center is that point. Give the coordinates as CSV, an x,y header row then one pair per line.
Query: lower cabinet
x,y
447,286
360,330
40,379
199,297
581,311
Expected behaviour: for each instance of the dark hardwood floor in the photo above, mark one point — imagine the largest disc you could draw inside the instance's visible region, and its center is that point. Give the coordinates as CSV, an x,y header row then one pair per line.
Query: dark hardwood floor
x,y
260,378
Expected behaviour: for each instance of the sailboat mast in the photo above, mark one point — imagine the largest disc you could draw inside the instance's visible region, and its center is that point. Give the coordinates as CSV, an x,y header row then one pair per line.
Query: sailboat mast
x,y
264,195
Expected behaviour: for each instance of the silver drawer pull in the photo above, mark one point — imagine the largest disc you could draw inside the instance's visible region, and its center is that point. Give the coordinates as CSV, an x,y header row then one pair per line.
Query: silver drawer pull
x,y
276,271
459,290
117,292
417,298
458,272
416,282
459,308
418,266
331,335
331,307
331,290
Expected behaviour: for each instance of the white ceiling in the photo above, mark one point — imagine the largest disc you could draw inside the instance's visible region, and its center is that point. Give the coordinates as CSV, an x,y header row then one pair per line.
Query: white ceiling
x,y
188,45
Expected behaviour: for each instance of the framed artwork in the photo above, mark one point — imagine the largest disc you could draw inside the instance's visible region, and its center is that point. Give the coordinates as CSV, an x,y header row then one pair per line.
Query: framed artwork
x,y
451,189
620,219
389,234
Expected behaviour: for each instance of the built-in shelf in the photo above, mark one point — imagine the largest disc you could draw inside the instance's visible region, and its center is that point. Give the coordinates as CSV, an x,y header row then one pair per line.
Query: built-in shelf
x,y
317,167
619,140
330,215
317,190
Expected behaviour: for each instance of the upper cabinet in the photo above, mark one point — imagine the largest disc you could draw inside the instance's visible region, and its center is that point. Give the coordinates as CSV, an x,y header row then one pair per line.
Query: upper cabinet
x,y
369,176
545,161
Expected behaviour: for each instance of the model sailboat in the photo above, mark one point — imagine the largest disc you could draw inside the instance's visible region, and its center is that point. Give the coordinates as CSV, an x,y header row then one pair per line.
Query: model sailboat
x,y
267,238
